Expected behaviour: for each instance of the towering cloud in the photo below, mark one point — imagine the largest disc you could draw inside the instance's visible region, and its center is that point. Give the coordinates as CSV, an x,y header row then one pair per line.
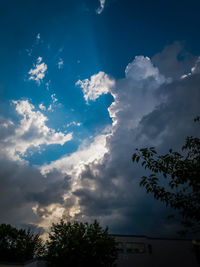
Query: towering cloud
x,y
149,109
152,106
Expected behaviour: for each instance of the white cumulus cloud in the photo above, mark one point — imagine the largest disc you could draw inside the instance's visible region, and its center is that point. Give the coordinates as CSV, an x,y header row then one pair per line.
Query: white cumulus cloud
x,y
98,84
142,68
74,163
31,132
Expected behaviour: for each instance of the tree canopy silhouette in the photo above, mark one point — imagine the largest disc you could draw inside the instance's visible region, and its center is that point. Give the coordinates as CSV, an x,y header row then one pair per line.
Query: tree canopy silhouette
x,y
80,244
18,244
175,179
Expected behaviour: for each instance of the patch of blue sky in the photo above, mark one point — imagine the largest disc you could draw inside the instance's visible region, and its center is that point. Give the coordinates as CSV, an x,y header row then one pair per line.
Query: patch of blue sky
x,y
93,119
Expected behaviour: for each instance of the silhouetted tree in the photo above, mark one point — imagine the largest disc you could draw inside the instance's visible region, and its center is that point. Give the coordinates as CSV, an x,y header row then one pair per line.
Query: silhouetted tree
x,y
175,179
18,244
80,244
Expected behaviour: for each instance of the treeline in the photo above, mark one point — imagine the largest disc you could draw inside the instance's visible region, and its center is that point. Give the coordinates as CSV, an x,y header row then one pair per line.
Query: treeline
x,y
68,244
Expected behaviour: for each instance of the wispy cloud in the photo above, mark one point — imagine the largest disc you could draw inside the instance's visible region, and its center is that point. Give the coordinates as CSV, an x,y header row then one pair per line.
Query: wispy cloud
x,y
54,99
52,105
101,7
37,41
37,73
73,123
60,63
194,70
38,36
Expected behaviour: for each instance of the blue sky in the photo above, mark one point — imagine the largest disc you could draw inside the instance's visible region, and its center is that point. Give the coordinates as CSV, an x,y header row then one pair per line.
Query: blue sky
x,y
82,84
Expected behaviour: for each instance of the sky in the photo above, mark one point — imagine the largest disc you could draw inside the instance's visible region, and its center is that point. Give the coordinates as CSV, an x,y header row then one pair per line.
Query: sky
x,y
83,84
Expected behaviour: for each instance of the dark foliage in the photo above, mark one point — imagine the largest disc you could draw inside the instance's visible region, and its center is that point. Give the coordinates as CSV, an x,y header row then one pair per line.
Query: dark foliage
x,y
80,244
179,186
18,244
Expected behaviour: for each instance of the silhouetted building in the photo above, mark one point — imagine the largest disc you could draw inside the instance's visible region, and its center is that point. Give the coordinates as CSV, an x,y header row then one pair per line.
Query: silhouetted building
x,y
142,251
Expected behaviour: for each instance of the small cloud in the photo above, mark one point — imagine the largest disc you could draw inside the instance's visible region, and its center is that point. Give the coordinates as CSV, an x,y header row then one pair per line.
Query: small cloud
x,y
194,70
29,51
73,123
48,85
185,75
42,107
54,99
38,36
60,63
38,39
54,103
101,7
98,84
37,73
50,108
39,60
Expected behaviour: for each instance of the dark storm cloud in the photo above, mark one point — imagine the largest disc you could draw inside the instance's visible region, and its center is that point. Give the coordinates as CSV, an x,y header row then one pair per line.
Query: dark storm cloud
x,y
173,120
149,111
22,187
53,191
174,60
